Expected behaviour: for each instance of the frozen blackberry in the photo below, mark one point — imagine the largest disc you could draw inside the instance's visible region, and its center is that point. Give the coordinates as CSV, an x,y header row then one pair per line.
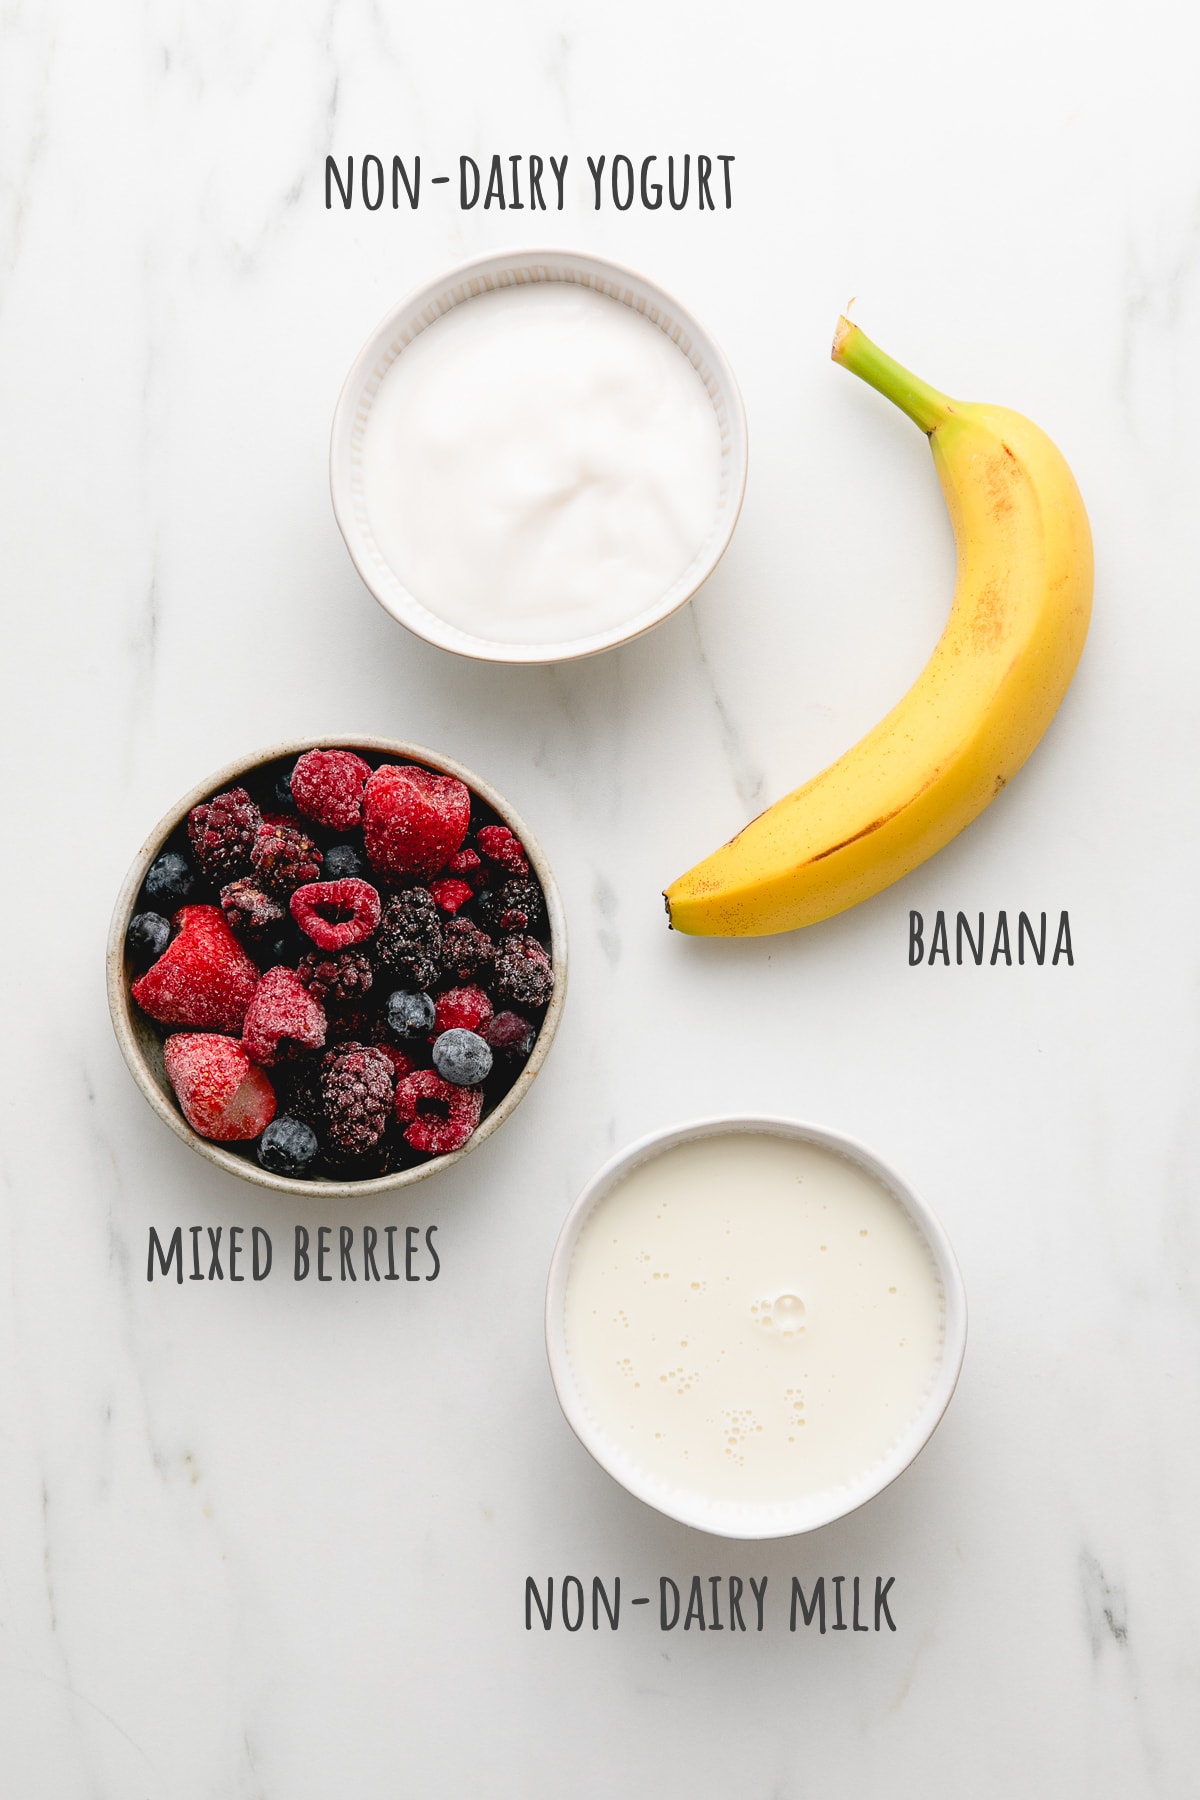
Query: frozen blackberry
x,y
343,863
462,1057
524,975
170,883
358,1087
222,833
337,976
410,1016
249,910
467,952
298,1086
288,1146
408,943
515,905
355,1024
147,937
284,857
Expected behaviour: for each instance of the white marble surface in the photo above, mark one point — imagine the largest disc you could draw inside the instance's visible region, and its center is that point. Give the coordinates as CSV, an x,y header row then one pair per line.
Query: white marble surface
x,y
271,1543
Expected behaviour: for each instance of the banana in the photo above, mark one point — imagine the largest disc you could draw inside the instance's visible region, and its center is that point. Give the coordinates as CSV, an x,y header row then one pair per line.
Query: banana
x,y
1022,602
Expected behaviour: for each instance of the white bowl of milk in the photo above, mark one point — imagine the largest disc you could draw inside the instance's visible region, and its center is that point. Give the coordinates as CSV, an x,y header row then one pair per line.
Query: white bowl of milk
x,y
538,456
753,1324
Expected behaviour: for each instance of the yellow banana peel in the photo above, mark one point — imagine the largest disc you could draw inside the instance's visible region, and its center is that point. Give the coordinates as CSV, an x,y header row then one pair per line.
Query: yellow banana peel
x,y
1015,632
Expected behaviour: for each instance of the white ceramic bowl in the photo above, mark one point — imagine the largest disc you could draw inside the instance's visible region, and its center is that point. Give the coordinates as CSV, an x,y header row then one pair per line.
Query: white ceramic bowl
x,y
457,288
727,1518
141,1041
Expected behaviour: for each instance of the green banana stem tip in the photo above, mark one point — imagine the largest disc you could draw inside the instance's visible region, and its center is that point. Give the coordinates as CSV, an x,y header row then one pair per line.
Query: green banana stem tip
x,y
924,405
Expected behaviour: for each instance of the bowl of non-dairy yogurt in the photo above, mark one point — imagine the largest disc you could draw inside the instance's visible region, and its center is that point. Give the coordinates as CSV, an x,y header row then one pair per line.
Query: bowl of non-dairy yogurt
x,y
538,456
753,1324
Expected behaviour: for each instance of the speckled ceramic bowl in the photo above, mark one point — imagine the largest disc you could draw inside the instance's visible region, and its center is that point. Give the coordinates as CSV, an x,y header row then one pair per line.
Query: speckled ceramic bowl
x,y
142,1045
459,287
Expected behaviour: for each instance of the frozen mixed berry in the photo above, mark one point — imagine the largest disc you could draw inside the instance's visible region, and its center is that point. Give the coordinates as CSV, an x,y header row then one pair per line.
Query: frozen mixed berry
x,y
284,857
515,905
357,1089
249,910
413,820
408,943
510,1036
452,894
467,952
462,1057
221,1094
222,832
147,937
282,1019
170,882
524,976
463,1008
410,1015
500,846
439,1116
343,863
288,1146
337,914
327,785
337,975
203,978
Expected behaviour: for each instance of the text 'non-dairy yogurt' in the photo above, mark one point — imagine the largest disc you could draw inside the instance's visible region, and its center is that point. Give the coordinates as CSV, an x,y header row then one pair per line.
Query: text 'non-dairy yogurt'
x,y
541,464
752,1318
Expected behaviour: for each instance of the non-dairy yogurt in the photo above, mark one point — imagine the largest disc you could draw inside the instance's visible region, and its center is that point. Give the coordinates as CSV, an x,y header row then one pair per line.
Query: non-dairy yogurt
x,y
541,464
752,1318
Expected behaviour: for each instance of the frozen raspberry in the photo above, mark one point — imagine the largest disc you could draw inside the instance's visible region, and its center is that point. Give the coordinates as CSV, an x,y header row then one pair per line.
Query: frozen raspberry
x,y
440,1117
467,865
413,820
401,1062
248,909
327,785
516,905
282,1019
336,976
203,978
524,974
467,952
221,1095
223,831
357,1086
463,1009
500,846
408,943
284,857
451,895
336,914
510,1036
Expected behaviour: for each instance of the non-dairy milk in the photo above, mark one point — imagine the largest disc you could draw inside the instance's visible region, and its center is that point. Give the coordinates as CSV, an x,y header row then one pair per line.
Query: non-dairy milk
x,y
752,1318
541,464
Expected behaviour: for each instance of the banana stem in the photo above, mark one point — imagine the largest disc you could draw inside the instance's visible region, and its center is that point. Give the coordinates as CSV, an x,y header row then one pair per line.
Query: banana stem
x,y
923,404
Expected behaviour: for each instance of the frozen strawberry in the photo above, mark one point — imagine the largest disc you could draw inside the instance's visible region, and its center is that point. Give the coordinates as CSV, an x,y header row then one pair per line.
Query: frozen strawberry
x,y
500,846
413,820
463,1009
336,914
222,1096
440,1117
327,785
204,978
282,1019
451,894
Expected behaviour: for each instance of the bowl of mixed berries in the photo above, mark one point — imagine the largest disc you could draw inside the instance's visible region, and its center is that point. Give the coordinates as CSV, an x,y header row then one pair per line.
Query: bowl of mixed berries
x,y
336,967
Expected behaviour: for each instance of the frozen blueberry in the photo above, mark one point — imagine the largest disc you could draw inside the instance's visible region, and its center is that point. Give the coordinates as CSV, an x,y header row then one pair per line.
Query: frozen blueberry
x,y
342,863
170,881
283,789
462,1057
147,937
287,1147
410,1015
